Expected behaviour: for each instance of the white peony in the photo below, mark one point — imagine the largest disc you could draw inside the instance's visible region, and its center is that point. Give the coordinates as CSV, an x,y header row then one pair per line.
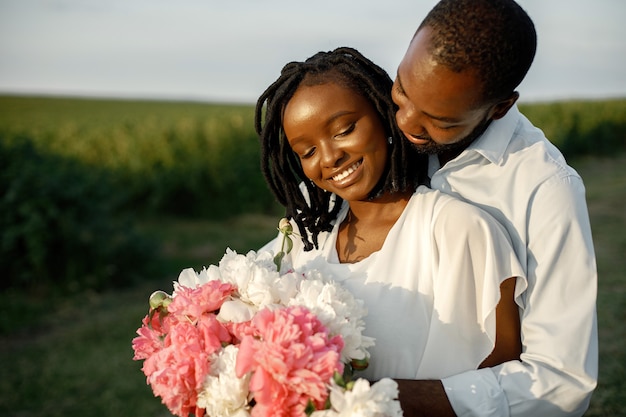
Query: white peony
x,y
256,278
339,311
223,394
191,279
259,284
236,311
363,400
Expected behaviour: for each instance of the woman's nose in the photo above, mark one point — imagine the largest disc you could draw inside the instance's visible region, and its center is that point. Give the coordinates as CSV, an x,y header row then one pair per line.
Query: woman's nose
x,y
331,153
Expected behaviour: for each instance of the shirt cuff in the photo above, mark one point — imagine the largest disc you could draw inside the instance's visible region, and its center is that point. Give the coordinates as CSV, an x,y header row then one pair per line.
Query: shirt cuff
x,y
476,393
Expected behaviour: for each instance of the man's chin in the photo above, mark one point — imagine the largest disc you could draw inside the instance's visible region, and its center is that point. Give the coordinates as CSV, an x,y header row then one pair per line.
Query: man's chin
x,y
430,147
433,148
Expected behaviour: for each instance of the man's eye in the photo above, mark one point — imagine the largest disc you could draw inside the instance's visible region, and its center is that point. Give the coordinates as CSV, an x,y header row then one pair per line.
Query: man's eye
x,y
397,88
446,127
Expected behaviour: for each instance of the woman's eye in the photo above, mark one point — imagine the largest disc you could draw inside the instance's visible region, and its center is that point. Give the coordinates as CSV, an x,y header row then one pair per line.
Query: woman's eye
x,y
346,131
309,153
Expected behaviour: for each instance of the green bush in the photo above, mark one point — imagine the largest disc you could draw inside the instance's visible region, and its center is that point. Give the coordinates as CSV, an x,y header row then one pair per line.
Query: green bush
x,y
582,127
186,159
61,224
198,174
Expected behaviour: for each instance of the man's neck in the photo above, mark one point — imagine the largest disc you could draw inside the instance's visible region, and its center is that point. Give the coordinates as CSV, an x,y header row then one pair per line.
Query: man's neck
x,y
446,156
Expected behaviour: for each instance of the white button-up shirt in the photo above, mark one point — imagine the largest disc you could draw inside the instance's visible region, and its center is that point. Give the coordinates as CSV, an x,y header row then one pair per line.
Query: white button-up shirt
x,y
513,172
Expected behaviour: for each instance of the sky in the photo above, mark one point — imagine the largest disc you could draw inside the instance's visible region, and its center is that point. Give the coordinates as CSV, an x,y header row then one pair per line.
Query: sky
x,y
230,51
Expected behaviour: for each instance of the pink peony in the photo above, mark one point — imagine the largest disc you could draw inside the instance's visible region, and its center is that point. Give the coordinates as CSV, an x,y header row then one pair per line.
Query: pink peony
x,y
151,334
146,344
177,371
213,334
194,302
239,330
292,360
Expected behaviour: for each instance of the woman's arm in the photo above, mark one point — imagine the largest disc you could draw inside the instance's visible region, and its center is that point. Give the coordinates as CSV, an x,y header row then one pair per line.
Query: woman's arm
x,y
428,398
508,340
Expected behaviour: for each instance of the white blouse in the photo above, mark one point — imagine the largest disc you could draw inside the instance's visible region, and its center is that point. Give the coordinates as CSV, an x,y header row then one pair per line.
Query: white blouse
x,y
431,290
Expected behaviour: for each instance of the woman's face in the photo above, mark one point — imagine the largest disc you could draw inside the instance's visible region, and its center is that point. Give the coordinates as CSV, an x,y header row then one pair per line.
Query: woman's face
x,y
339,138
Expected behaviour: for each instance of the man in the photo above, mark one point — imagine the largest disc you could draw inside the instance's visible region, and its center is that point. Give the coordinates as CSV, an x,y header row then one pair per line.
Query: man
x,y
455,89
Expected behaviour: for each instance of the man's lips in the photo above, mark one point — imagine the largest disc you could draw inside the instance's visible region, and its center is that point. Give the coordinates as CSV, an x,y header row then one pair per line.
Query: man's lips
x,y
417,139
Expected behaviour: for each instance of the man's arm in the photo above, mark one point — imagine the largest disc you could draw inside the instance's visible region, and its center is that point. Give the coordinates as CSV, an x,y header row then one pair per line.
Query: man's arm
x,y
558,368
423,398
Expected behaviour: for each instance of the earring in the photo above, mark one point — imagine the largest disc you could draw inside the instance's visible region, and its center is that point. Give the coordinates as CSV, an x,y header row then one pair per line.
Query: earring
x,y
390,140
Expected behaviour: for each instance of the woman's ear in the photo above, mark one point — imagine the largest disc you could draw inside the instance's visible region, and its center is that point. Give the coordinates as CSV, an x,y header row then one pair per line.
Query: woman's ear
x,y
502,107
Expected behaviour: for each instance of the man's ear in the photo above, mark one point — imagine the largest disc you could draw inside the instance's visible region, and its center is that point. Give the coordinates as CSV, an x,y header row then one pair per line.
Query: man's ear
x,y
502,107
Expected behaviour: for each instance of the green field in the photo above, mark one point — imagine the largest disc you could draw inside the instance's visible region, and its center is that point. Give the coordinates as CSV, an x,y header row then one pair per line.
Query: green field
x,y
65,343
178,158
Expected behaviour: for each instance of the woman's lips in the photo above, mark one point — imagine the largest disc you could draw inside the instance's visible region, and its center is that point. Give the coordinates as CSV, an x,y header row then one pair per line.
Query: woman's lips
x,y
344,176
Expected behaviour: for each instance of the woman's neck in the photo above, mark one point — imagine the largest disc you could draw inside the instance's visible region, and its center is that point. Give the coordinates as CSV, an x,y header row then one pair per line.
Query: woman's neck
x,y
367,225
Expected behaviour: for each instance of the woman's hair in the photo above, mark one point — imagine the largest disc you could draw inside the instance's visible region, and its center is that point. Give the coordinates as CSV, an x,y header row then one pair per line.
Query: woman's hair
x,y
313,214
495,38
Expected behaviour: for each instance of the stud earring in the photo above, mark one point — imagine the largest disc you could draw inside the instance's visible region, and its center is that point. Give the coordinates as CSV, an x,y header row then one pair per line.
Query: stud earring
x,y
390,140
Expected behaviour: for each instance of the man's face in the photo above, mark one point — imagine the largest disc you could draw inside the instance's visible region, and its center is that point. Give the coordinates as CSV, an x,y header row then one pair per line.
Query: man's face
x,y
439,110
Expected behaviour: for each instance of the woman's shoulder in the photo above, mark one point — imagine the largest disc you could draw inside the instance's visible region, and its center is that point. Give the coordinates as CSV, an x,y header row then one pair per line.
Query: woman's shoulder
x,y
439,202
451,213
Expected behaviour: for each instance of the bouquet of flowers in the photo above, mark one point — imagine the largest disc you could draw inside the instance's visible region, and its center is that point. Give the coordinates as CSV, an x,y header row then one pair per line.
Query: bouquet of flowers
x,y
243,339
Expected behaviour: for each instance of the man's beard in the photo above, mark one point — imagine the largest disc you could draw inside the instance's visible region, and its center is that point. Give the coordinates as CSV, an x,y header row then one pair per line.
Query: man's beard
x,y
433,148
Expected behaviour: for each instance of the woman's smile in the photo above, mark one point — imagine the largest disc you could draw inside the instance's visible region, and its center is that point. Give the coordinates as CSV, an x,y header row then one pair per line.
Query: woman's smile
x,y
345,175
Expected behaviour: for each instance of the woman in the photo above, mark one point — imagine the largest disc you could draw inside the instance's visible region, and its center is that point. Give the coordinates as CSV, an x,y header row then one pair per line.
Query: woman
x,y
431,269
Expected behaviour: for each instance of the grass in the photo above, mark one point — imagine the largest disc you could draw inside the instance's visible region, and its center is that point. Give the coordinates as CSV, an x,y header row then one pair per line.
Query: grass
x,y
76,362
72,356
605,179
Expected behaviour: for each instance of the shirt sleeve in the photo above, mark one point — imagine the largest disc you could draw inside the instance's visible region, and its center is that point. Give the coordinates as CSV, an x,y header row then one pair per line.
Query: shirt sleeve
x,y
472,257
558,368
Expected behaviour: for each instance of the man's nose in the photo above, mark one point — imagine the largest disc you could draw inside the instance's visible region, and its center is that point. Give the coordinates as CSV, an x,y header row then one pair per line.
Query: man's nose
x,y
408,121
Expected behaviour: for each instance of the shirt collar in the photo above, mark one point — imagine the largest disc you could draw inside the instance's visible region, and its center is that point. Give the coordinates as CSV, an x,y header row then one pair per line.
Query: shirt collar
x,y
493,143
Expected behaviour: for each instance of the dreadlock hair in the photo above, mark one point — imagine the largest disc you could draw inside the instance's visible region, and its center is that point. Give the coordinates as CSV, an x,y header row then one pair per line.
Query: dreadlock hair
x,y
496,38
314,210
